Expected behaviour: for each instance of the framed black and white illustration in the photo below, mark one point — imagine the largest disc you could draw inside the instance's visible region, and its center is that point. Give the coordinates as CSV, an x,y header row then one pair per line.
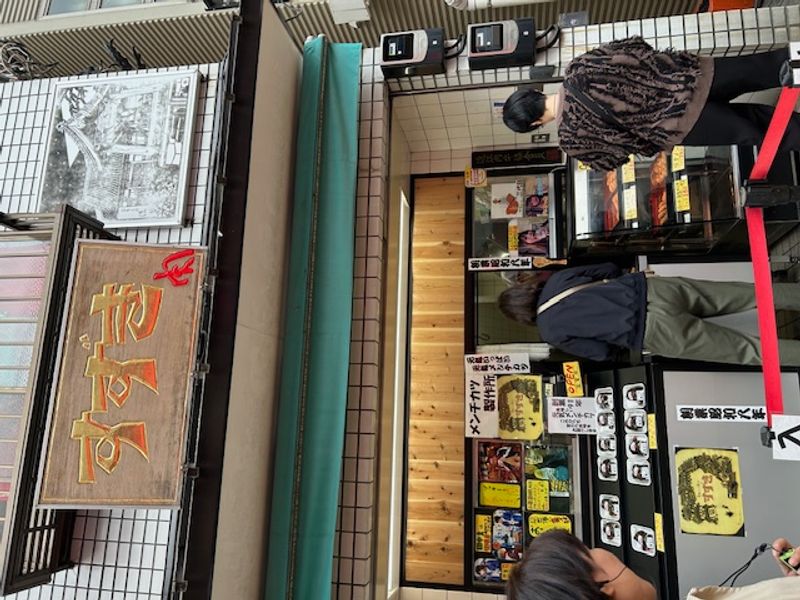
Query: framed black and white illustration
x,y
119,147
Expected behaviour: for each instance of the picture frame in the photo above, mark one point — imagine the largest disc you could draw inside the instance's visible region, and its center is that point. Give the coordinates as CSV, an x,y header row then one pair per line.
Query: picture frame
x,y
120,148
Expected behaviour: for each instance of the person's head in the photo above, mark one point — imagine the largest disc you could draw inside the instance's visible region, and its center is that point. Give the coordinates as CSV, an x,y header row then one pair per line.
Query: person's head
x,y
519,301
526,110
558,566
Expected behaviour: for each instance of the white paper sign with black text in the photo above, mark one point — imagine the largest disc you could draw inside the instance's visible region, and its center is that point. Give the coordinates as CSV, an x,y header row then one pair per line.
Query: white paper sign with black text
x,y
573,416
786,445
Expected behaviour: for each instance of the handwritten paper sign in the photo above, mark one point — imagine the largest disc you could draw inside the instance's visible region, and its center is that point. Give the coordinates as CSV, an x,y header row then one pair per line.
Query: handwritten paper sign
x,y
503,495
629,170
631,206
682,201
537,495
540,523
720,413
678,158
500,364
573,416
480,391
574,379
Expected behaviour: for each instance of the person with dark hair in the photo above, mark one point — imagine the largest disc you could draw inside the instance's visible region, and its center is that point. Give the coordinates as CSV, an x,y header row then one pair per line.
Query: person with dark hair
x,y
558,566
595,312
626,98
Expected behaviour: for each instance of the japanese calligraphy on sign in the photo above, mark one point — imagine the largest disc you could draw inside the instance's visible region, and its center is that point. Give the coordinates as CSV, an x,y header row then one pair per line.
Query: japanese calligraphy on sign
x,y
499,364
507,263
519,407
117,432
722,414
709,491
480,391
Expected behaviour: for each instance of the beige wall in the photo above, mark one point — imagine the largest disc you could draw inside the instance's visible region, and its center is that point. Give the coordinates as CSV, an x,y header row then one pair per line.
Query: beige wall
x,y
247,472
392,410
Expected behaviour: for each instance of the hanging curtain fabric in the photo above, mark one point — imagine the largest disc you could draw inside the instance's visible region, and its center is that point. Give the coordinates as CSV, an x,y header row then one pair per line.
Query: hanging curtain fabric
x,y
316,350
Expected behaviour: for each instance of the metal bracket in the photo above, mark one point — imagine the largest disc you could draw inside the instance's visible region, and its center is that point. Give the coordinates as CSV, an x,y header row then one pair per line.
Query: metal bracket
x,y
192,471
201,371
179,587
767,436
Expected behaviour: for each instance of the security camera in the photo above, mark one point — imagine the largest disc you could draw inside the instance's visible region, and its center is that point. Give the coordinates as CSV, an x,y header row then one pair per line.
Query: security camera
x,y
502,44
419,52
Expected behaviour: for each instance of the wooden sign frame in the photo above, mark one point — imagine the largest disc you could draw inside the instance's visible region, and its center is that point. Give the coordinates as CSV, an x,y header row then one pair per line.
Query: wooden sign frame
x,y
116,431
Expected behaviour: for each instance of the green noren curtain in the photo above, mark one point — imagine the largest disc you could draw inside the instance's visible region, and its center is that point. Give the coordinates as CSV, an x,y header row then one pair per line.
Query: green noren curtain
x,y
316,350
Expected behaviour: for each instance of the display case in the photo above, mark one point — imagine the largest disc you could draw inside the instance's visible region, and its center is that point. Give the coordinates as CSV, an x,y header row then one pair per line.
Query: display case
x,y
515,216
684,201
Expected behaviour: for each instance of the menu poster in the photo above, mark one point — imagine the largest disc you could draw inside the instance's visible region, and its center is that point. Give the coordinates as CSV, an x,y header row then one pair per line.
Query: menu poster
x,y
537,195
507,534
710,491
519,406
500,461
487,570
483,533
533,237
507,201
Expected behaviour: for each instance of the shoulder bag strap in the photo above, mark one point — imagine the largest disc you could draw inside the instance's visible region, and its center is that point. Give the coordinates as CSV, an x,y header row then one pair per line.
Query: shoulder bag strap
x,y
593,106
566,294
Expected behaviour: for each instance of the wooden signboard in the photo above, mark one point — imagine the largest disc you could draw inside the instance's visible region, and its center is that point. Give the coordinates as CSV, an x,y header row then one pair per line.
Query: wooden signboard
x,y
118,416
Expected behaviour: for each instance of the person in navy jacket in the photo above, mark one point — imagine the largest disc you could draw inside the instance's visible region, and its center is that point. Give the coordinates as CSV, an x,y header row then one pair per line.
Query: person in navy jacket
x,y
596,312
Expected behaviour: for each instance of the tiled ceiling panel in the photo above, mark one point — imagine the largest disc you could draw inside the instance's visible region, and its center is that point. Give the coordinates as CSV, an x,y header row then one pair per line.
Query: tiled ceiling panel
x,y
460,120
312,17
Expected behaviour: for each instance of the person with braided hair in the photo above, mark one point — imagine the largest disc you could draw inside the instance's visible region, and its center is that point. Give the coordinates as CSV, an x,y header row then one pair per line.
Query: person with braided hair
x,y
626,98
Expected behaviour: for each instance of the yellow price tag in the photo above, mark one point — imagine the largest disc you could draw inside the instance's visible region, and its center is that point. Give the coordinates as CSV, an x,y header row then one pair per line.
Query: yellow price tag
x,y
574,379
631,208
659,527
629,171
678,158
682,200
538,495
513,237
651,432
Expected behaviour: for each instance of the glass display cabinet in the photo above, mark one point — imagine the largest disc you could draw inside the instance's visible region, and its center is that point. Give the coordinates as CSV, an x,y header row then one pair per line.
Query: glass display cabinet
x,y
686,201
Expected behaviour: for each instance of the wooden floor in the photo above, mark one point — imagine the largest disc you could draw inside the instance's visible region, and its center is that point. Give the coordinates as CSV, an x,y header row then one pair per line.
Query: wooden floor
x,y
435,520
